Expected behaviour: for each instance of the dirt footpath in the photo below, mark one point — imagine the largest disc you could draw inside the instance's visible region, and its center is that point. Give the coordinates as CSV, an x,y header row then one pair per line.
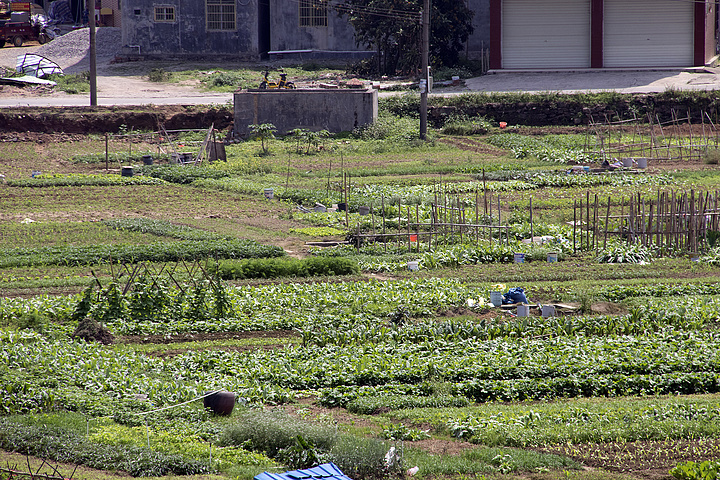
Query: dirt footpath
x,y
114,81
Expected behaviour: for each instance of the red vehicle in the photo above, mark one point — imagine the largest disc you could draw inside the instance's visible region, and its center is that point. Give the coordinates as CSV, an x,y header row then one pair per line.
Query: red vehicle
x,y
18,33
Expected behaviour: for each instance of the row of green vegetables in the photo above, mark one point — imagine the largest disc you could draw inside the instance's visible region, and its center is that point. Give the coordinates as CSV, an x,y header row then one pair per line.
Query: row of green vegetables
x,y
345,313
40,373
157,306
388,196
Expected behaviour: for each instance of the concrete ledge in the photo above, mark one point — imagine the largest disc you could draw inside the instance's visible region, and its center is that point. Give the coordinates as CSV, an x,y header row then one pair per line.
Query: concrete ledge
x,y
313,109
343,55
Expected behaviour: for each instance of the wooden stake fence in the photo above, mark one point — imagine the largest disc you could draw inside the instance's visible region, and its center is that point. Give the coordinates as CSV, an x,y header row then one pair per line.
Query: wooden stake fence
x,y
669,221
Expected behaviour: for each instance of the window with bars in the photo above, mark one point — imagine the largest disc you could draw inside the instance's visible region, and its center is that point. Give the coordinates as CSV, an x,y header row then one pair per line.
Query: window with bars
x,y
220,15
165,14
313,13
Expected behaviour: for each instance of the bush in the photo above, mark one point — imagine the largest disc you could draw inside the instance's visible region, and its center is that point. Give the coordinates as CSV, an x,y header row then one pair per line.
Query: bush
x,y
463,125
72,83
360,457
389,127
158,75
272,432
287,267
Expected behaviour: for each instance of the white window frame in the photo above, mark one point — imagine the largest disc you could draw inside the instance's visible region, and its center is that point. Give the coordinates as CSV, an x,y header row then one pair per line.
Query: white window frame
x,y
220,15
312,13
164,14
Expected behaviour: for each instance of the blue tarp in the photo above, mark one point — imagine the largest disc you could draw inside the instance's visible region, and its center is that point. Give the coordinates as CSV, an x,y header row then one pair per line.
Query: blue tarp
x,y
326,471
514,295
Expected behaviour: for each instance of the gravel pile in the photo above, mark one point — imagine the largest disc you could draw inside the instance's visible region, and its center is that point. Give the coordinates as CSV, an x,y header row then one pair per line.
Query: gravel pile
x,y
76,44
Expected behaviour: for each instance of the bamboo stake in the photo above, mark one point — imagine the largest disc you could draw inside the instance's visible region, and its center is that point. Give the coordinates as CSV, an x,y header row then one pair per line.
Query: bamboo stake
x,y
417,227
382,205
346,181
408,229
574,225
477,216
595,226
581,224
399,218
532,235
607,222
587,219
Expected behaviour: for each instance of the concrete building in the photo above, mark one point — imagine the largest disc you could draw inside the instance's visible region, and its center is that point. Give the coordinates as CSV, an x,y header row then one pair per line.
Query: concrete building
x,y
519,34
241,29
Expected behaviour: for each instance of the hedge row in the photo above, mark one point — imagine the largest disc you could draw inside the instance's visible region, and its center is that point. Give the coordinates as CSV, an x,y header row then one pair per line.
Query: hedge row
x,y
287,267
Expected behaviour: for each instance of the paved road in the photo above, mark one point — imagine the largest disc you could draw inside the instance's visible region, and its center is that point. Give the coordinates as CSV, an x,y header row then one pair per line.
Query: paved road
x,y
128,90
623,81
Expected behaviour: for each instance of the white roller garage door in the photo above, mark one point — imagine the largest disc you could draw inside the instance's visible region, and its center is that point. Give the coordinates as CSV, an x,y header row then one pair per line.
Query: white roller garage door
x,y
648,33
547,34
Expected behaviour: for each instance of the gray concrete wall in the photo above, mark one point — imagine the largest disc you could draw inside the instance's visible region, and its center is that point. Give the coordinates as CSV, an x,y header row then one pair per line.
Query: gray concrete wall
x,y
481,24
331,110
287,34
187,36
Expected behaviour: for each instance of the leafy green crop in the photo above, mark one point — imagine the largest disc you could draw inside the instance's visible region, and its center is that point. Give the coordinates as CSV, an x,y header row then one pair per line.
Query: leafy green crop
x,y
123,253
707,470
77,179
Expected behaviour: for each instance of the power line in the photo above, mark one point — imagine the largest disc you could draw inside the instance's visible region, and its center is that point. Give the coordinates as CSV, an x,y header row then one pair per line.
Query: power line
x,y
407,15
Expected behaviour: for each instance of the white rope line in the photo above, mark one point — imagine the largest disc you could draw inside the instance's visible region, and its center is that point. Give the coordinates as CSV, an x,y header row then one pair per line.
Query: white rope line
x,y
161,409
179,404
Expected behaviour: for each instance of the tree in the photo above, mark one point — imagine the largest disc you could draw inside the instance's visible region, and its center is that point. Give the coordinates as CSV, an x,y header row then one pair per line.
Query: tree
x,y
393,29
264,132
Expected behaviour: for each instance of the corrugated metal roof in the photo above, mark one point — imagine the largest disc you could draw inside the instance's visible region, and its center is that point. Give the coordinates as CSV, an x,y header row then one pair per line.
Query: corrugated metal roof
x,y
325,471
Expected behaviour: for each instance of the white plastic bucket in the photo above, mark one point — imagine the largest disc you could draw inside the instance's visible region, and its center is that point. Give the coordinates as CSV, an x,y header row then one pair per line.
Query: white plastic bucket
x,y
496,298
269,193
523,310
552,257
548,311
627,162
519,257
413,266
641,162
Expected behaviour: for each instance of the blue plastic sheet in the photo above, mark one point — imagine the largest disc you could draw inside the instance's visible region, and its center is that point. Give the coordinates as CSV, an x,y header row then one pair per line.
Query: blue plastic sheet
x,y
514,295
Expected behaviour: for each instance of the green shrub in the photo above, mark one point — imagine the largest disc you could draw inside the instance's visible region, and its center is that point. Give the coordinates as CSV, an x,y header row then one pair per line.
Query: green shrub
x,y
359,457
464,125
446,73
287,267
271,432
158,75
72,83
388,127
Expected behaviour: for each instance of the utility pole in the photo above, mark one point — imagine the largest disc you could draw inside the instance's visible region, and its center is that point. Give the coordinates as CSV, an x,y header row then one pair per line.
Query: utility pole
x,y
424,77
93,56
